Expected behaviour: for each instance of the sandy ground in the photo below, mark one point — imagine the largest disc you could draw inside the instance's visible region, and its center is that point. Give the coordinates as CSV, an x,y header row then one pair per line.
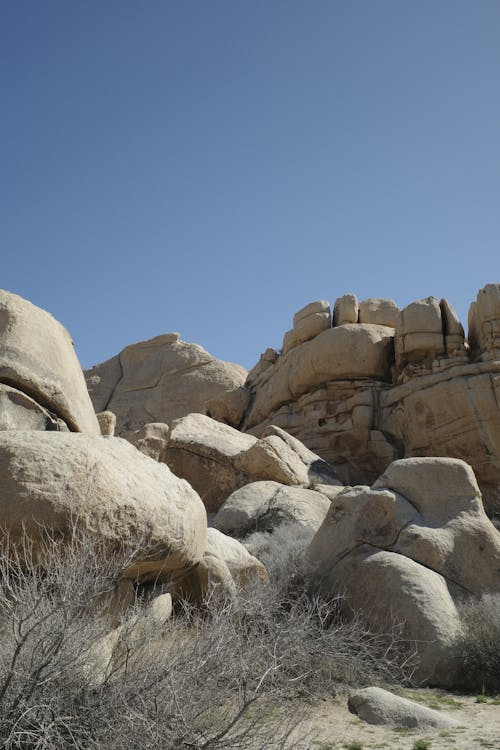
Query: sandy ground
x,y
330,726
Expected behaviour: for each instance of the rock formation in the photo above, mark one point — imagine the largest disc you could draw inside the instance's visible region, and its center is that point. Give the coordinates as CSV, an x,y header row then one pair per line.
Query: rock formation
x,y
217,459
160,380
410,549
106,487
41,381
377,384
370,390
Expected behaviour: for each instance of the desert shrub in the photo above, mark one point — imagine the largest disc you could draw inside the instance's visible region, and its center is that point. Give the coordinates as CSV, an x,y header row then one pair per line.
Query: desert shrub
x,y
478,647
280,550
75,674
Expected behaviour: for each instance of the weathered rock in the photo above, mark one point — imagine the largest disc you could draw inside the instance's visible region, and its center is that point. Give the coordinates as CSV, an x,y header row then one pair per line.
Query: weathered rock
x,y
244,568
451,533
377,706
389,588
230,406
263,506
160,380
152,440
310,320
346,310
217,459
361,419
409,547
486,322
453,332
346,352
419,333
225,566
380,312
318,470
271,458
202,450
20,412
37,357
105,487
107,423
451,413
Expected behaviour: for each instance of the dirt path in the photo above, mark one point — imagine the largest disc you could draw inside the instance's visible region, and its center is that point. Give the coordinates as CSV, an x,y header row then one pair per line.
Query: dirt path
x,y
330,726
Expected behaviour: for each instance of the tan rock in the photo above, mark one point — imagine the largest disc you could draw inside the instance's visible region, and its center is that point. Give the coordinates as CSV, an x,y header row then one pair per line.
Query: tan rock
x,y
202,450
160,380
378,706
318,307
230,406
37,357
318,470
347,352
107,423
487,316
426,515
105,487
244,568
419,333
310,320
20,412
381,312
346,310
386,588
452,413
226,566
289,341
271,458
151,439
453,331
263,506
451,533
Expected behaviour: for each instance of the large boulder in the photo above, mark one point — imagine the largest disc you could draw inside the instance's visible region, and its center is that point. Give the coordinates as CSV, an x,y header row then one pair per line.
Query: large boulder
x,y
37,358
105,487
349,351
160,380
216,459
202,451
412,548
263,506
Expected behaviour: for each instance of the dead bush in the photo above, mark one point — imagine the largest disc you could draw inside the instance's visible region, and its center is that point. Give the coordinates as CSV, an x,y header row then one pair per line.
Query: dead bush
x,y
478,648
74,674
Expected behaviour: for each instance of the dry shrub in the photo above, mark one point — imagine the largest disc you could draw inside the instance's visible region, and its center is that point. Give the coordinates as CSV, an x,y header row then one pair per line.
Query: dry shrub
x,y
221,675
478,648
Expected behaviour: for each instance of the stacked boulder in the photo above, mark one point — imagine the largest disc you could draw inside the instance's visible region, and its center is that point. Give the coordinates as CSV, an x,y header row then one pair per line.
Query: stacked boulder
x,y
370,383
409,551
59,475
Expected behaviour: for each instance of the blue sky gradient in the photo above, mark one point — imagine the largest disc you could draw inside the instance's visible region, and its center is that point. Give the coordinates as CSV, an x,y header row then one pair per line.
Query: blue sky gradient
x,y
211,166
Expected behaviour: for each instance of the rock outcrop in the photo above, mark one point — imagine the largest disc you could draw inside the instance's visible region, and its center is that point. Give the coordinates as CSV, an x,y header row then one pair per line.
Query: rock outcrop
x,y
160,380
41,381
217,459
378,384
410,549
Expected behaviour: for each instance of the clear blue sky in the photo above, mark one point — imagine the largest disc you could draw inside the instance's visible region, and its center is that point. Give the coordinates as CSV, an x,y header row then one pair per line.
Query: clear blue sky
x,y
210,166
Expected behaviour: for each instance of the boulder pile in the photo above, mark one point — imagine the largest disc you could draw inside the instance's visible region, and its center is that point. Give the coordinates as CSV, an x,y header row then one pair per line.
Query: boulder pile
x,y
373,436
